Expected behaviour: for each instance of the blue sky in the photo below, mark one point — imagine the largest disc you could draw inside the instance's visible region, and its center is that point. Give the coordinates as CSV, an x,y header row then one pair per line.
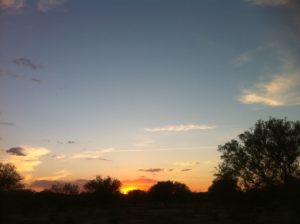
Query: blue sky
x,y
140,90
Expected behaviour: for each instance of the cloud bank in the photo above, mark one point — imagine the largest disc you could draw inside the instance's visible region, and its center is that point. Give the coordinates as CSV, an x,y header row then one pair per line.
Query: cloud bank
x,y
180,128
25,158
41,5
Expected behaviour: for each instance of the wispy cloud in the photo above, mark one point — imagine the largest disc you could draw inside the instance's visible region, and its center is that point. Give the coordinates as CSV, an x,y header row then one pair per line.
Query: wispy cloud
x,y
152,170
37,81
14,4
270,2
283,89
56,176
93,155
27,63
189,163
8,73
185,170
246,57
59,157
181,128
29,161
46,5
6,123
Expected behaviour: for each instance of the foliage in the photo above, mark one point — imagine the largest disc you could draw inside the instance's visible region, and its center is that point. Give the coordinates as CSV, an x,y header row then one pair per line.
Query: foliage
x,y
101,185
67,188
266,155
168,190
10,179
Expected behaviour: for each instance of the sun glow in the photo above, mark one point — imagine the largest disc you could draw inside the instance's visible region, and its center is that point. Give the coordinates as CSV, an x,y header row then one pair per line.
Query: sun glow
x,y
126,189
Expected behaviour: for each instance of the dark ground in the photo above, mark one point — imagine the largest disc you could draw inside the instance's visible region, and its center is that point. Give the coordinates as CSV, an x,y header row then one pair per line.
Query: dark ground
x,y
134,214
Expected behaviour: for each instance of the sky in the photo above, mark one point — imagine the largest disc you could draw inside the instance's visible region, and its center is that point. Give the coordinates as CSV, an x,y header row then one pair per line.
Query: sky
x,y
140,90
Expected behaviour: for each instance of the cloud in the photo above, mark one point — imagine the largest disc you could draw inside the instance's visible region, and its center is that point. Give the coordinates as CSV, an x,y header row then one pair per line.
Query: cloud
x,y
246,57
59,157
185,170
8,73
17,151
6,123
27,63
30,161
37,81
93,155
12,4
191,163
46,5
270,2
179,128
281,90
57,176
152,170
71,142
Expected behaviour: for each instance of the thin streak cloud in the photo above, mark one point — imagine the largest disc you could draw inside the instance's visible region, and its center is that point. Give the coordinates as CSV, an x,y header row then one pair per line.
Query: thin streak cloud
x,y
270,2
181,128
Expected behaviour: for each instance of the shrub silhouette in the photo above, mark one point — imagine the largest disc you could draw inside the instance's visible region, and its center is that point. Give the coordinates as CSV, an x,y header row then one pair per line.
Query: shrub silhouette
x,y
10,179
265,156
66,188
166,191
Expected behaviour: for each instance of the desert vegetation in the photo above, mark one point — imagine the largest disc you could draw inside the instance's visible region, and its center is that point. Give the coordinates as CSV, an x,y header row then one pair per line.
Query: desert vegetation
x,y
257,181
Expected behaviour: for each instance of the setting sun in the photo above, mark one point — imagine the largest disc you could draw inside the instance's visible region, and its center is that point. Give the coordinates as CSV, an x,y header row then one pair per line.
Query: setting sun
x,y
126,189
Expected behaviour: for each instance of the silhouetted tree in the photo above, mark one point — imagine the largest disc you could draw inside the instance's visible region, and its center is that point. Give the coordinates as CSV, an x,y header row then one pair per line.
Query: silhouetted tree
x,y
224,186
10,179
65,188
136,196
106,189
166,191
266,155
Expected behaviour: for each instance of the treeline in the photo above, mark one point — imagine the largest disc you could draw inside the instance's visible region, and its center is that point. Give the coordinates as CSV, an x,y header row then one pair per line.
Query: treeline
x,y
261,167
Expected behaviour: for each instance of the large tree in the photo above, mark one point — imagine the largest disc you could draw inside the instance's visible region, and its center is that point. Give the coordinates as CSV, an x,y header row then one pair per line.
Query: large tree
x,y
10,179
266,155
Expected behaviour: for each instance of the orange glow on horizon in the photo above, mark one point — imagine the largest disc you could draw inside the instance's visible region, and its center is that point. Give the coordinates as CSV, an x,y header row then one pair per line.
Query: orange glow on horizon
x,y
126,189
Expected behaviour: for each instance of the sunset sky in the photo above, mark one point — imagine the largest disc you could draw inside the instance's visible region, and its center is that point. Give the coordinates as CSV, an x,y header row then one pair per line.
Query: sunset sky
x,y
140,90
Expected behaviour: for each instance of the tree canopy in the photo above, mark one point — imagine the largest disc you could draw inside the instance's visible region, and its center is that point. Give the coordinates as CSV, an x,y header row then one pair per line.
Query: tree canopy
x,y
10,179
101,185
168,190
266,155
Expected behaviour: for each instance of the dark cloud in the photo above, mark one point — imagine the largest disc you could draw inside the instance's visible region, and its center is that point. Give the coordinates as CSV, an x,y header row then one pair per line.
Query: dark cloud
x,y
171,170
185,170
152,170
38,81
6,123
71,142
27,63
17,151
46,184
